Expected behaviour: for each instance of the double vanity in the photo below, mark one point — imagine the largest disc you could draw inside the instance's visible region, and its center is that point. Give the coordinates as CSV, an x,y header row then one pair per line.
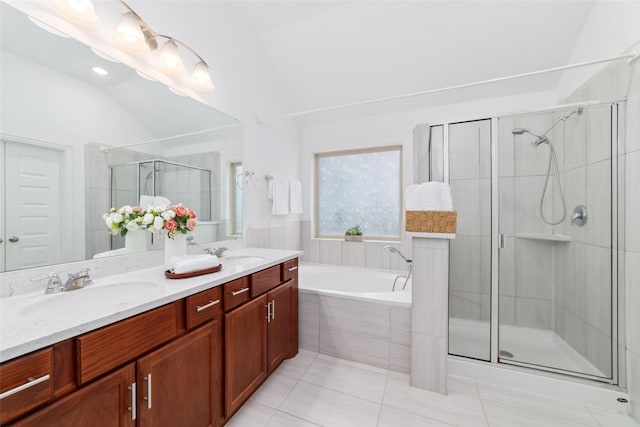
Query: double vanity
x,y
141,349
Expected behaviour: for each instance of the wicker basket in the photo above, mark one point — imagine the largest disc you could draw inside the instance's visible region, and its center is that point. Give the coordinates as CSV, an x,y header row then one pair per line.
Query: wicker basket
x,y
431,221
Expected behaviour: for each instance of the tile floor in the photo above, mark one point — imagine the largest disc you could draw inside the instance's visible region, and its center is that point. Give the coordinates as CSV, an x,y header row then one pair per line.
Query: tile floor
x,y
316,390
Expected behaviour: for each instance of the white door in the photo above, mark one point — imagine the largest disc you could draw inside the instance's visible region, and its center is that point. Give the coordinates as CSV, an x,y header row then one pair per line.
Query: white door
x,y
32,235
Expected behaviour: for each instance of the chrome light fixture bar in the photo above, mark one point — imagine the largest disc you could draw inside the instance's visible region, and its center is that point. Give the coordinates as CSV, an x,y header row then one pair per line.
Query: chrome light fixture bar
x,y
134,35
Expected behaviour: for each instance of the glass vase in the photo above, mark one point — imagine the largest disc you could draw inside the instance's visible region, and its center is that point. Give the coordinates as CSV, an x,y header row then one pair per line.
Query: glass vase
x,y
174,247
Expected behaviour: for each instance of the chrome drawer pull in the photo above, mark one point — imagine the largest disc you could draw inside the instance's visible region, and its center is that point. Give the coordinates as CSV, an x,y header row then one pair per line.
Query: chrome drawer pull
x,y
199,308
30,383
133,408
293,268
268,316
148,397
241,291
273,309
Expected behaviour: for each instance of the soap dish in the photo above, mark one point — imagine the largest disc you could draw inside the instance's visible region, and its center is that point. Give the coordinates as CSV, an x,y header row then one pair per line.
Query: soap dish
x,y
169,275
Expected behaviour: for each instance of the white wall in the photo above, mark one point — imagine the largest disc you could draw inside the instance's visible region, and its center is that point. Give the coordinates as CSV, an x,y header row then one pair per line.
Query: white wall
x,y
610,30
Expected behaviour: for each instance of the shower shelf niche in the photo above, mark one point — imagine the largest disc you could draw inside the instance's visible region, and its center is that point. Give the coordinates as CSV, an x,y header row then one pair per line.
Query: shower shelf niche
x,y
541,236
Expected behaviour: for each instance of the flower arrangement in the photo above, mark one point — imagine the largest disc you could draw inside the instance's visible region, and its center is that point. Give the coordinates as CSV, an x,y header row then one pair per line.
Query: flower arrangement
x,y
176,219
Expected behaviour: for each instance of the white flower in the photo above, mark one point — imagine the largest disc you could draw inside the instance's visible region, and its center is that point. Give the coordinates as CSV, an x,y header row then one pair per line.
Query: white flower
x,y
160,208
168,214
108,221
116,217
148,218
158,223
126,210
132,226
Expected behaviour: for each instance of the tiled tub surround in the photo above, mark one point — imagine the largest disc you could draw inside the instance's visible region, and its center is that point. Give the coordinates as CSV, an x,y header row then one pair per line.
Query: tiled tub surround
x,y
24,330
356,319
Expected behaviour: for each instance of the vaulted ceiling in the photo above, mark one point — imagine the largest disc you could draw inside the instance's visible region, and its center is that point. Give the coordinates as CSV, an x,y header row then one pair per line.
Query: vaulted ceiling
x,y
328,53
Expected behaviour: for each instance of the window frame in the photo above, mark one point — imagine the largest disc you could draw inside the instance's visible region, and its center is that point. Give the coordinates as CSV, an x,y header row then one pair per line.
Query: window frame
x,y
233,168
366,237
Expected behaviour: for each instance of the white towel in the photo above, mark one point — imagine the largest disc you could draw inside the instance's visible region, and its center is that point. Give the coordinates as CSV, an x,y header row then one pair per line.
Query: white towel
x,y
280,195
191,263
295,195
161,201
270,189
428,196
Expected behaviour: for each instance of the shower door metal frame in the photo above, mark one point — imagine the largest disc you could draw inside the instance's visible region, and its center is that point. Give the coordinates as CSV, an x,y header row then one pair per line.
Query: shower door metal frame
x,y
617,235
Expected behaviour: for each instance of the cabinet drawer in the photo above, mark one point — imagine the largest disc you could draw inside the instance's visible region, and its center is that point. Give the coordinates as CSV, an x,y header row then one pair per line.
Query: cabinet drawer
x,y
236,293
25,383
290,269
203,306
264,280
100,351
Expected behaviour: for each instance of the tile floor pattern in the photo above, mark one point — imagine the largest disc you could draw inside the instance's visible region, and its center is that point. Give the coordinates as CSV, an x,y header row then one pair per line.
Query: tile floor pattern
x,y
313,390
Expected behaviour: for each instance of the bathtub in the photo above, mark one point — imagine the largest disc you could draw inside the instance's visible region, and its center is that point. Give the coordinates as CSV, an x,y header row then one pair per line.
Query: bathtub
x,y
351,313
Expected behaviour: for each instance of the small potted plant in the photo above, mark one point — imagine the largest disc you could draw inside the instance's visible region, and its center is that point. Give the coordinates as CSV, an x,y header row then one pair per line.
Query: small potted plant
x,y
354,234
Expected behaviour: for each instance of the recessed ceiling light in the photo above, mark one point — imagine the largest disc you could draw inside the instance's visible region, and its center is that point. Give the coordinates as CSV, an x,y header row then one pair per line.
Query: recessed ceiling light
x,y
103,55
100,71
47,27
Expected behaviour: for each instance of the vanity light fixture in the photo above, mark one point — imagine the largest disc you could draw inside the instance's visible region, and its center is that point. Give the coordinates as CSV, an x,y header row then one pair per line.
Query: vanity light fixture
x,y
170,60
145,76
135,35
176,91
80,11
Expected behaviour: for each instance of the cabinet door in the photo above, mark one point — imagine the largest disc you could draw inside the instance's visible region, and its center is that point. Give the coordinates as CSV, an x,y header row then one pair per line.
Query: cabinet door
x,y
280,326
245,352
106,402
176,383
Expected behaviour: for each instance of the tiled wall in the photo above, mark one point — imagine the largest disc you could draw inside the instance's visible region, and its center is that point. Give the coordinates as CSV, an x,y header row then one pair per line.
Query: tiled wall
x,y
622,80
372,333
275,235
369,254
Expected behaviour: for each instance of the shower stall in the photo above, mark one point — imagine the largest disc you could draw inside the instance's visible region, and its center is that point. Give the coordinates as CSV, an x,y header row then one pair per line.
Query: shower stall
x,y
179,183
533,267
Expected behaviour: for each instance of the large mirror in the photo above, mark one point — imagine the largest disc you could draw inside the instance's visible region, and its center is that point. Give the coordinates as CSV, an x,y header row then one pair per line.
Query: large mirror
x,y
75,142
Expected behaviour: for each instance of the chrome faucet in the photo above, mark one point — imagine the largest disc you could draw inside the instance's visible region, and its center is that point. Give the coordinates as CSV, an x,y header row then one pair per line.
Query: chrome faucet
x,y
219,252
74,281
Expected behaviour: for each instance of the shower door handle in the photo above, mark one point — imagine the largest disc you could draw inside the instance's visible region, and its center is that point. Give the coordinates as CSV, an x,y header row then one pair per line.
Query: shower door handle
x,y
500,241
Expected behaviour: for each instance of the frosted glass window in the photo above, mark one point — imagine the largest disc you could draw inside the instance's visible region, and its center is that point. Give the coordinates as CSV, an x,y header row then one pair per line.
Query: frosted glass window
x,y
359,188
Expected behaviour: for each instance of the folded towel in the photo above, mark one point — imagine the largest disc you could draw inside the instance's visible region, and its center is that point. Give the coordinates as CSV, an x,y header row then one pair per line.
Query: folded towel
x,y
428,196
280,195
191,263
295,195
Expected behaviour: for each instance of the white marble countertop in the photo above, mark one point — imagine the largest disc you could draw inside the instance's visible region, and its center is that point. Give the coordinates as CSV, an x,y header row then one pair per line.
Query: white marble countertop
x,y
31,321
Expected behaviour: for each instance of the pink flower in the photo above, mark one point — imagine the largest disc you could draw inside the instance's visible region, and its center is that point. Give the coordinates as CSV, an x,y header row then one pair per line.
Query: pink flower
x,y
170,225
180,210
192,214
191,224
137,209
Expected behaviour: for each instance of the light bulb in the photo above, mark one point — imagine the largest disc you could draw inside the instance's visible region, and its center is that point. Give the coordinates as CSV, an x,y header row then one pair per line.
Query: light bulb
x,y
170,59
81,11
200,78
129,35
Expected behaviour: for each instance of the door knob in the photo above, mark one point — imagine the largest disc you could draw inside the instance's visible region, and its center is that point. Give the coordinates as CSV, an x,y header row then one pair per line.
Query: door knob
x,y
1,240
13,239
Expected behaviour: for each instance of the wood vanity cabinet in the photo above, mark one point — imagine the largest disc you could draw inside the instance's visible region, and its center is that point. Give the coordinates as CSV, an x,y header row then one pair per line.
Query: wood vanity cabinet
x,y
192,362
260,334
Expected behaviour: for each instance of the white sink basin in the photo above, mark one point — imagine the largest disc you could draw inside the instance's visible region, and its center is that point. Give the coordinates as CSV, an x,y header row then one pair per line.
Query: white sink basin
x,y
92,298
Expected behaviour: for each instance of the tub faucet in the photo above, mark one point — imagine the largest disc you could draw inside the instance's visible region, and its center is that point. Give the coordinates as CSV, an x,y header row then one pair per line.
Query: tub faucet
x,y
396,251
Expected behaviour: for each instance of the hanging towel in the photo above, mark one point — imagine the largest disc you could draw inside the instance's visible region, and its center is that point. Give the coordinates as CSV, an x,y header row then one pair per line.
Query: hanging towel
x,y
270,189
280,195
146,201
295,194
159,201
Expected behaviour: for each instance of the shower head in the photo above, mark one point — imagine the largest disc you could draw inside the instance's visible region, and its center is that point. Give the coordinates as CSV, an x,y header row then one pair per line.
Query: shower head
x,y
540,139
396,251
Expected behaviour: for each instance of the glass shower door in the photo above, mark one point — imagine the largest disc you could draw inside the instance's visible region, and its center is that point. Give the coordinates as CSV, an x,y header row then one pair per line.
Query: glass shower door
x,y
555,256
469,146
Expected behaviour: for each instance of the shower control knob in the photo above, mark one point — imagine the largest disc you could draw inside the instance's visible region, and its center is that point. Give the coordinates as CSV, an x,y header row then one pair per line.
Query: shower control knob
x,y
579,216
13,239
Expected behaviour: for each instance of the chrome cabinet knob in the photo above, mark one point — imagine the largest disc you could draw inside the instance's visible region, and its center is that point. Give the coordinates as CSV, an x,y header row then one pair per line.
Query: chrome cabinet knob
x,y
13,239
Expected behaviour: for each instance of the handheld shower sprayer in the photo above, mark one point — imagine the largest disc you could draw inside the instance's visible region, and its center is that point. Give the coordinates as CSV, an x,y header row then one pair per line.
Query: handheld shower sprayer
x,y
540,139
396,251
